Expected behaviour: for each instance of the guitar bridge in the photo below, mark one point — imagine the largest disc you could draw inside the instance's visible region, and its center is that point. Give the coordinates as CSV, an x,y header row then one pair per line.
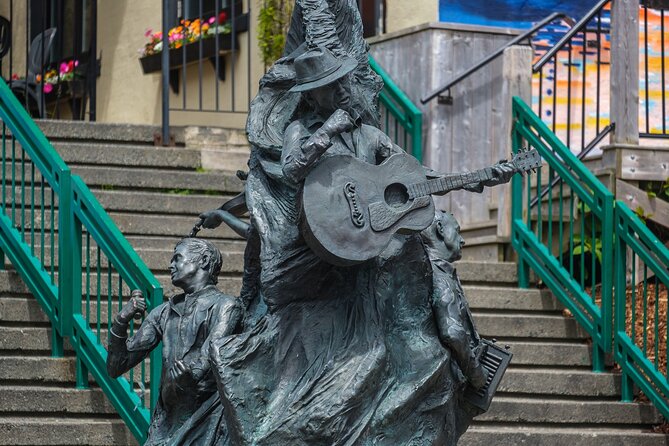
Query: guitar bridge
x,y
357,217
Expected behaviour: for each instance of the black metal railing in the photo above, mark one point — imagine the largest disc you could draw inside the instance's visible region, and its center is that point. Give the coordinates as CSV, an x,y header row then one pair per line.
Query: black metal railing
x,y
653,70
209,63
570,84
47,56
466,73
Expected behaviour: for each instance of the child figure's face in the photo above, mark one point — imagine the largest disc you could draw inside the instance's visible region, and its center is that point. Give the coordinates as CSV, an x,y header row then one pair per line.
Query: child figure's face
x,y
184,266
449,231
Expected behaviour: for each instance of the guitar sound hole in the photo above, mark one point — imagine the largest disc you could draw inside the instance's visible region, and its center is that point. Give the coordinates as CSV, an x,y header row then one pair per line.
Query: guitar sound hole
x,y
396,195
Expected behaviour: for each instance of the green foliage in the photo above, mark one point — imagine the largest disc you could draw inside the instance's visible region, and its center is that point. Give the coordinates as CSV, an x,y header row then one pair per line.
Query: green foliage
x,y
641,213
657,189
588,244
273,23
181,192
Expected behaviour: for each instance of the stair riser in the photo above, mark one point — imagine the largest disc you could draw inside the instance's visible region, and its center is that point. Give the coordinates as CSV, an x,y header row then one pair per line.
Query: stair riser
x,y
121,178
128,155
65,432
53,400
538,438
569,412
517,326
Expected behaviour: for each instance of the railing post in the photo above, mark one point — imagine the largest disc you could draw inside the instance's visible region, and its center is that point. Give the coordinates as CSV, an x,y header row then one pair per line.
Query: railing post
x,y
625,71
67,255
81,371
93,64
417,136
156,356
517,203
165,60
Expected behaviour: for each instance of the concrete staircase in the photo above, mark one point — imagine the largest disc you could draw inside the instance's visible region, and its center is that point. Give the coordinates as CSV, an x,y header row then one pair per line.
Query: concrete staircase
x,y
548,396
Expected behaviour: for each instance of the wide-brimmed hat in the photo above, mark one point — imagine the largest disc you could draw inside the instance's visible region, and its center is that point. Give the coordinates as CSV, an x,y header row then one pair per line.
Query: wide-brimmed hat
x,y
317,67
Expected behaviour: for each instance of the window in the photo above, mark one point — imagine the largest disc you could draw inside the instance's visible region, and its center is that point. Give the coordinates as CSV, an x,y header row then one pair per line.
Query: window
x,y
193,9
373,16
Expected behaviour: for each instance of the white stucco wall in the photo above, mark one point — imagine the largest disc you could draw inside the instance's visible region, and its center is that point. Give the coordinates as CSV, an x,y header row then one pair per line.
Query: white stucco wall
x,y
402,14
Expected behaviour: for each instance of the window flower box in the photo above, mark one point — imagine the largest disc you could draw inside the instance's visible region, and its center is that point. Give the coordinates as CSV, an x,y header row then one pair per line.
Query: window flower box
x,y
193,41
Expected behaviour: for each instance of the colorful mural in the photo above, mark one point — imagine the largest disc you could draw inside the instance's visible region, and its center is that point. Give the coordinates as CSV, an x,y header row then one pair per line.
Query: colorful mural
x,y
509,13
571,93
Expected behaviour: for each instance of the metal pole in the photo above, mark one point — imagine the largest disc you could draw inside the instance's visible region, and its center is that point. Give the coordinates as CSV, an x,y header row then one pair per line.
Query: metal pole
x,y
166,76
93,63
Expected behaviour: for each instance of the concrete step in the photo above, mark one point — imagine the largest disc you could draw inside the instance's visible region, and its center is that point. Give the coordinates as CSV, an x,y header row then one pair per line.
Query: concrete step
x,y
45,369
24,340
116,178
158,203
96,131
540,354
27,312
543,410
12,285
53,400
133,224
139,178
128,155
175,226
491,273
488,248
168,243
174,201
559,382
548,354
528,326
480,229
37,369
509,299
52,430
158,260
515,434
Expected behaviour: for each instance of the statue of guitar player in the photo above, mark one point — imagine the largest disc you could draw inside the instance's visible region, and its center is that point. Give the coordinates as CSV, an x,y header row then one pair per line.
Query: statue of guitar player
x,y
345,354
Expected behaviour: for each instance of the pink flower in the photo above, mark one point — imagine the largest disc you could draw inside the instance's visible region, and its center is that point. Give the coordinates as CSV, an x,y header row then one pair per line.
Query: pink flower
x,y
212,19
63,68
48,88
148,32
76,63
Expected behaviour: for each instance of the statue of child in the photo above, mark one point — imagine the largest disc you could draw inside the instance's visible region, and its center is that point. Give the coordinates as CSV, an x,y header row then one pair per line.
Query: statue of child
x,y
443,243
189,410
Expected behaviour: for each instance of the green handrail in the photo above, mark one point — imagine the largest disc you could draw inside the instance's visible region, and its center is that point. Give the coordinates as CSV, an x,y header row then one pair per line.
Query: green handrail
x,y
46,210
634,349
399,111
557,250
619,245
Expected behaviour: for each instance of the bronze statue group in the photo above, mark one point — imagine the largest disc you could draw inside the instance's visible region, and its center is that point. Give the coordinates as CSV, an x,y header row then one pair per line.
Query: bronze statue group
x,y
377,352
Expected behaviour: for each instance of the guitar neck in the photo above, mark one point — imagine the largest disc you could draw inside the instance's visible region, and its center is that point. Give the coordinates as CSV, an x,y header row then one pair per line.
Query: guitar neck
x,y
443,185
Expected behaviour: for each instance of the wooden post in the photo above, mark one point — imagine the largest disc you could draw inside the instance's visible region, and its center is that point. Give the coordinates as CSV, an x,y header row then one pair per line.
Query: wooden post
x,y
625,71
517,81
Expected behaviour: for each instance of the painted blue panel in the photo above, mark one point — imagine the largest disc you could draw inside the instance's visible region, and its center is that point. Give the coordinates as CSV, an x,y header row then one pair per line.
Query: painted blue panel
x,y
508,13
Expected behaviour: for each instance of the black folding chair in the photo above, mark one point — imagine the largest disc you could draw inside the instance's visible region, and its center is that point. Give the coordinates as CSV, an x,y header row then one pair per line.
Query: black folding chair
x,y
38,58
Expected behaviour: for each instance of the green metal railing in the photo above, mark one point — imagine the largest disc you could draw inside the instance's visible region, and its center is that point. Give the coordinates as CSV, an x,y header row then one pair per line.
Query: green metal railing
x,y
577,240
400,118
73,259
642,280
566,253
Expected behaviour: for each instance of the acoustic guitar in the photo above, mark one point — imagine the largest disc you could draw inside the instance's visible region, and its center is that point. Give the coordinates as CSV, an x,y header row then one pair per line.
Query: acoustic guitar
x,y
352,209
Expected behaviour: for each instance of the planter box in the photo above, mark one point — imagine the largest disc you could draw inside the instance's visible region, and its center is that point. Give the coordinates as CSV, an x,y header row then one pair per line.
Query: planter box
x,y
202,49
